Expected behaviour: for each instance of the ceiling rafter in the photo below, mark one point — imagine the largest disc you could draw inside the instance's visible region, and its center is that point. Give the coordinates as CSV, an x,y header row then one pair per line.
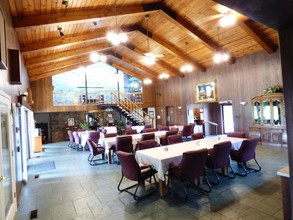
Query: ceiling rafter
x,y
65,41
245,26
126,70
72,17
168,46
30,63
163,64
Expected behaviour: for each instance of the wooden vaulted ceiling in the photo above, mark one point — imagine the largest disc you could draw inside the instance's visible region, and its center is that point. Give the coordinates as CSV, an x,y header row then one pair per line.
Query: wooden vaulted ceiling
x,y
180,31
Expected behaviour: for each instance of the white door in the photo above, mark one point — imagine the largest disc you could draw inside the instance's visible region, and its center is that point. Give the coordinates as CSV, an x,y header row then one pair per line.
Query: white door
x,y
228,122
7,174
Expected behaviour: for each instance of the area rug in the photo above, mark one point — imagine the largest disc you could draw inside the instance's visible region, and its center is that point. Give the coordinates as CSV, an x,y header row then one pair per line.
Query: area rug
x,y
41,167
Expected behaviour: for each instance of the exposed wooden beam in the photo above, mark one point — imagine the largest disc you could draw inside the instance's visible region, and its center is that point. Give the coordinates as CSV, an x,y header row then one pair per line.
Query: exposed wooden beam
x,y
127,71
30,63
165,65
80,16
58,71
168,46
60,65
192,30
66,40
246,26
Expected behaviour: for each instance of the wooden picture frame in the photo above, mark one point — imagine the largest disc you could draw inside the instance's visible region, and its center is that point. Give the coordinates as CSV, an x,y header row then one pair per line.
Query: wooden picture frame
x,y
3,55
205,92
70,122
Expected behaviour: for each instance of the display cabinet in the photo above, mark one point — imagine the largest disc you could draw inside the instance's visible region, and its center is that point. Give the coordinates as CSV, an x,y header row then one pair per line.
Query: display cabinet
x,y
268,113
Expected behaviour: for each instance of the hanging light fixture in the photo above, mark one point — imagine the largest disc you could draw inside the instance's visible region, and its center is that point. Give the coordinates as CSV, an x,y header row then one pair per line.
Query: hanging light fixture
x,y
116,36
186,68
149,58
96,57
228,19
220,56
164,76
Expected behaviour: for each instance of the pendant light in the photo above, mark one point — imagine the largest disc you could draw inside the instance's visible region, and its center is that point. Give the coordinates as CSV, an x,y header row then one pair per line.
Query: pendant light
x,y
186,68
220,56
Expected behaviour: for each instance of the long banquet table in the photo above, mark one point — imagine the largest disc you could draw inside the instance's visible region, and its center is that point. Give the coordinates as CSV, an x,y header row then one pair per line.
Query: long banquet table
x,y
107,143
160,157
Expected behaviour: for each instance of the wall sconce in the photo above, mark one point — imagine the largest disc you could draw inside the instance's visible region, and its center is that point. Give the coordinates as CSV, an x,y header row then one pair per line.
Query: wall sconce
x,y
243,103
21,97
179,107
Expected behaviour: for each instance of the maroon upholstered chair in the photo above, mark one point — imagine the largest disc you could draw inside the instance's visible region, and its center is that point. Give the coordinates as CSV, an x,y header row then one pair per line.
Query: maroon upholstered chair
x,y
124,143
191,167
95,150
150,130
163,128
219,157
135,172
174,139
148,136
71,138
94,136
110,135
187,131
197,136
142,145
77,141
246,153
163,140
146,126
130,131
237,134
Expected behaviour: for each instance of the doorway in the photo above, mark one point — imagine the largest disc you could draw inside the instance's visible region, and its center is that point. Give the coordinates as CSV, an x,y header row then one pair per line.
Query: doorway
x,y
227,117
169,115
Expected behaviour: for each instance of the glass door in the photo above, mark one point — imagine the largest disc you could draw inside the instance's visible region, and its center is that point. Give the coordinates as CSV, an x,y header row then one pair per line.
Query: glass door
x,y
227,114
7,188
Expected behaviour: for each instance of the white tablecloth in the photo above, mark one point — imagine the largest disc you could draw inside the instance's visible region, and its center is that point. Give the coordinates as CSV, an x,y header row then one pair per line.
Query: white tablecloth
x,y
160,158
108,142
138,128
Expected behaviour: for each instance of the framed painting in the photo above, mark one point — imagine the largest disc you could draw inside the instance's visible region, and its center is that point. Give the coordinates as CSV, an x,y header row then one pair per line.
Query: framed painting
x,y
205,92
3,55
70,121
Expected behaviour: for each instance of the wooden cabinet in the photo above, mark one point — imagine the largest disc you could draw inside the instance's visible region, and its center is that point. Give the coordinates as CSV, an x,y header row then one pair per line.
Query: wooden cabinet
x,y
38,144
268,113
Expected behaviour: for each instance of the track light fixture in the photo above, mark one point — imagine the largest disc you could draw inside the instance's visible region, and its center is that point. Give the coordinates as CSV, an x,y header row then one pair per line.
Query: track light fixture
x,y
60,31
65,2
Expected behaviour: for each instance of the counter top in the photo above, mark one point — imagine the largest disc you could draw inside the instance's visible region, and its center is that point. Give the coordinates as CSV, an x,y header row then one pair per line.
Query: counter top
x,y
284,172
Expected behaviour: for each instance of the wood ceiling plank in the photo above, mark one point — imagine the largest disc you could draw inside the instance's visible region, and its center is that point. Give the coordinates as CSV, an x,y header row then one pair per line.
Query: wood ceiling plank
x,y
245,25
65,54
36,21
168,46
13,9
165,65
62,41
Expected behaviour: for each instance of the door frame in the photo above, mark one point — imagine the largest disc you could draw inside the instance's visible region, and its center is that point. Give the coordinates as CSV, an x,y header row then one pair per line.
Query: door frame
x,y
12,210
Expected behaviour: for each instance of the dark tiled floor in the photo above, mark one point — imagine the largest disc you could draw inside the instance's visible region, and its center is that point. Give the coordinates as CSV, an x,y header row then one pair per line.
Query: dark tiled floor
x,y
76,190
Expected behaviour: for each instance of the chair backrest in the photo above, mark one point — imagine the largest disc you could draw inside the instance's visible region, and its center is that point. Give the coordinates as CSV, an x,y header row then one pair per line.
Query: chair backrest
x,y
174,139
237,134
193,164
187,130
148,136
150,130
129,166
142,145
130,131
76,137
221,153
163,128
147,126
247,149
104,130
94,149
94,136
197,136
70,135
110,135
124,143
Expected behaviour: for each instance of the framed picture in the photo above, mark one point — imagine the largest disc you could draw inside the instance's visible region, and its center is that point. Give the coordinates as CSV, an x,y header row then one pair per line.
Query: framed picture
x,y
70,121
3,55
205,92
151,114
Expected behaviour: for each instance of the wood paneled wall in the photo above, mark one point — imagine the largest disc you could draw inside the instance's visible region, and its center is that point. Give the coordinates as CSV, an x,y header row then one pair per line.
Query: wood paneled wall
x,y
241,81
12,43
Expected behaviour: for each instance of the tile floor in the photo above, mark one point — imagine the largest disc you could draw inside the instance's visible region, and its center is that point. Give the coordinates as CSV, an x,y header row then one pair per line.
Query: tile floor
x,y
76,190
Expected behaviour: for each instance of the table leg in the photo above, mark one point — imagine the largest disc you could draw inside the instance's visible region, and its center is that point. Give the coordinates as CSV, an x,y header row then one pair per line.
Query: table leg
x,y
162,188
109,157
